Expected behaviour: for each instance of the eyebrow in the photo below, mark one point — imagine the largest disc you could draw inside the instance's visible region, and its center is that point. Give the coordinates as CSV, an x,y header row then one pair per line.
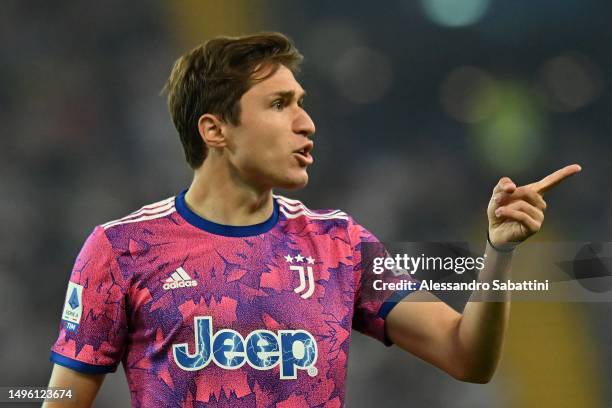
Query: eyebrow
x,y
288,94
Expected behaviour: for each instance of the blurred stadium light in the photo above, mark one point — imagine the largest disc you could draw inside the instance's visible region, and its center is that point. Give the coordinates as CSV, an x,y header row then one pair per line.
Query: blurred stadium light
x,y
569,81
467,94
455,13
511,138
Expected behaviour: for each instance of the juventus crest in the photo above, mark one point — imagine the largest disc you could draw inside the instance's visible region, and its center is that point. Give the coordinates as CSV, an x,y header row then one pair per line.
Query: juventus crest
x,y
307,284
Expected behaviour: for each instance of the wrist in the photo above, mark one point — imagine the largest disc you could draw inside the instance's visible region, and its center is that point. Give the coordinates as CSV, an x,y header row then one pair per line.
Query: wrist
x,y
506,247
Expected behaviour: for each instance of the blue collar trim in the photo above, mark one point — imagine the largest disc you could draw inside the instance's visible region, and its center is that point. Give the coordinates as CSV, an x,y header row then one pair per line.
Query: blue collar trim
x,y
220,229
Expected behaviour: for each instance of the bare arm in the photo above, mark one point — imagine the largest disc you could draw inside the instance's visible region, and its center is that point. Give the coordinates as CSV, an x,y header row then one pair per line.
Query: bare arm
x,y
467,346
84,387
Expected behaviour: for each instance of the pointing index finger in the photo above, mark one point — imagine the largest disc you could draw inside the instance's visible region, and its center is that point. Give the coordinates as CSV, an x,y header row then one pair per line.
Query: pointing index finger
x,y
555,178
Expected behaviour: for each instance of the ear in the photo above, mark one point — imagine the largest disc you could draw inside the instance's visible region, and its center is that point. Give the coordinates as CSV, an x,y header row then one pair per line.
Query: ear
x,y
211,130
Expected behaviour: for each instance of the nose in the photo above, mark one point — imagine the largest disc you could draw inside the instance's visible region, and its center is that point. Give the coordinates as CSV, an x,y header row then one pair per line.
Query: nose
x,y
303,124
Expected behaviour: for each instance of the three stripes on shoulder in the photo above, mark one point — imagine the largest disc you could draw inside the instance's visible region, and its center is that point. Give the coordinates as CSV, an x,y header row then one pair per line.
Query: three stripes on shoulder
x,y
295,208
148,212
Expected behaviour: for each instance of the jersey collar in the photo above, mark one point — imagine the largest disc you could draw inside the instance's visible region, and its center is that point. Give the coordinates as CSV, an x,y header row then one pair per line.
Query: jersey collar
x,y
221,229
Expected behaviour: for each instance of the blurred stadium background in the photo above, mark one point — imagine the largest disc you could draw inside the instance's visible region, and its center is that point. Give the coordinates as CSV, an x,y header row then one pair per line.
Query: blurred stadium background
x,y
420,106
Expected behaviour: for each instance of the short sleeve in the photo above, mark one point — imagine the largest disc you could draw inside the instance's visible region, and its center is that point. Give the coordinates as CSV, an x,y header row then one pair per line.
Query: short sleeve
x,y
93,325
372,306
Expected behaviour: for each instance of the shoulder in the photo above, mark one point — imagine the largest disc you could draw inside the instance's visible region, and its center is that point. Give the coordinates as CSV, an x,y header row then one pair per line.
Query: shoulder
x,y
327,222
294,209
145,214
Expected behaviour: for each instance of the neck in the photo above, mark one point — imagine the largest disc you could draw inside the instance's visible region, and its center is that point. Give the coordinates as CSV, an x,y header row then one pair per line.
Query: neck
x,y
219,196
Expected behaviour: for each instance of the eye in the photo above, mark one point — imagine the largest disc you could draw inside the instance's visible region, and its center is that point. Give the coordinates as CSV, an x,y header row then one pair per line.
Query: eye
x,y
278,104
301,103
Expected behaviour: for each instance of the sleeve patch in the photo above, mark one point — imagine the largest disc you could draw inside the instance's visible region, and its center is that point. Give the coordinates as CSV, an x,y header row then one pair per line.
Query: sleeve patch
x,y
73,306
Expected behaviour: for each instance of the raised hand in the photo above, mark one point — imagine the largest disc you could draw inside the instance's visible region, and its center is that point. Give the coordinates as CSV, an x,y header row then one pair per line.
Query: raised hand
x,y
516,213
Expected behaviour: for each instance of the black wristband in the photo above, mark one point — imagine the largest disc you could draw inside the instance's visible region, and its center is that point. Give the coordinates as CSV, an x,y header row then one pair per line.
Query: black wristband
x,y
504,250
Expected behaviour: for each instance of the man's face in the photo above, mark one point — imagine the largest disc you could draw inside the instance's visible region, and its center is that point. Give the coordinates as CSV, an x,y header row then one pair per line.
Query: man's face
x,y
271,146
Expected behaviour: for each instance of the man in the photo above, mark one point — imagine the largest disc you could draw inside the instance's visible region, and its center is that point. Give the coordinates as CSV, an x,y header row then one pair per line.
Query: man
x,y
229,295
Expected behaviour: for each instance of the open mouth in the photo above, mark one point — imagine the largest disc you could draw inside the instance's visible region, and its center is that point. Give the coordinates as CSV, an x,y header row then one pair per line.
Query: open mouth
x,y
303,155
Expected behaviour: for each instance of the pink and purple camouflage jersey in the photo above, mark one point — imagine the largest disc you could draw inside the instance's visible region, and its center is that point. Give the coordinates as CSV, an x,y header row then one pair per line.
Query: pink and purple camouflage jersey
x,y
203,314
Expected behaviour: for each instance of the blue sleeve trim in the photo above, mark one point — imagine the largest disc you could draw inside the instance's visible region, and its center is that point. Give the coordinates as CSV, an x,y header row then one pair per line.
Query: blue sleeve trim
x,y
386,308
390,303
79,365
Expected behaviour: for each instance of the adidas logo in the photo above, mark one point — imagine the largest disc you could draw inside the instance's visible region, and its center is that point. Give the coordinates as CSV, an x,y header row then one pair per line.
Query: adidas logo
x,y
179,279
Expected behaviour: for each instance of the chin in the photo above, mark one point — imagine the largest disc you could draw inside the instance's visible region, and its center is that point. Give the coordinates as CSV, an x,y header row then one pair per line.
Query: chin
x,y
294,183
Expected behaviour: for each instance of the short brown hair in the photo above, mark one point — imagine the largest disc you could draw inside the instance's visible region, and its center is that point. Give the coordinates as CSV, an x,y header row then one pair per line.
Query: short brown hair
x,y
212,78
